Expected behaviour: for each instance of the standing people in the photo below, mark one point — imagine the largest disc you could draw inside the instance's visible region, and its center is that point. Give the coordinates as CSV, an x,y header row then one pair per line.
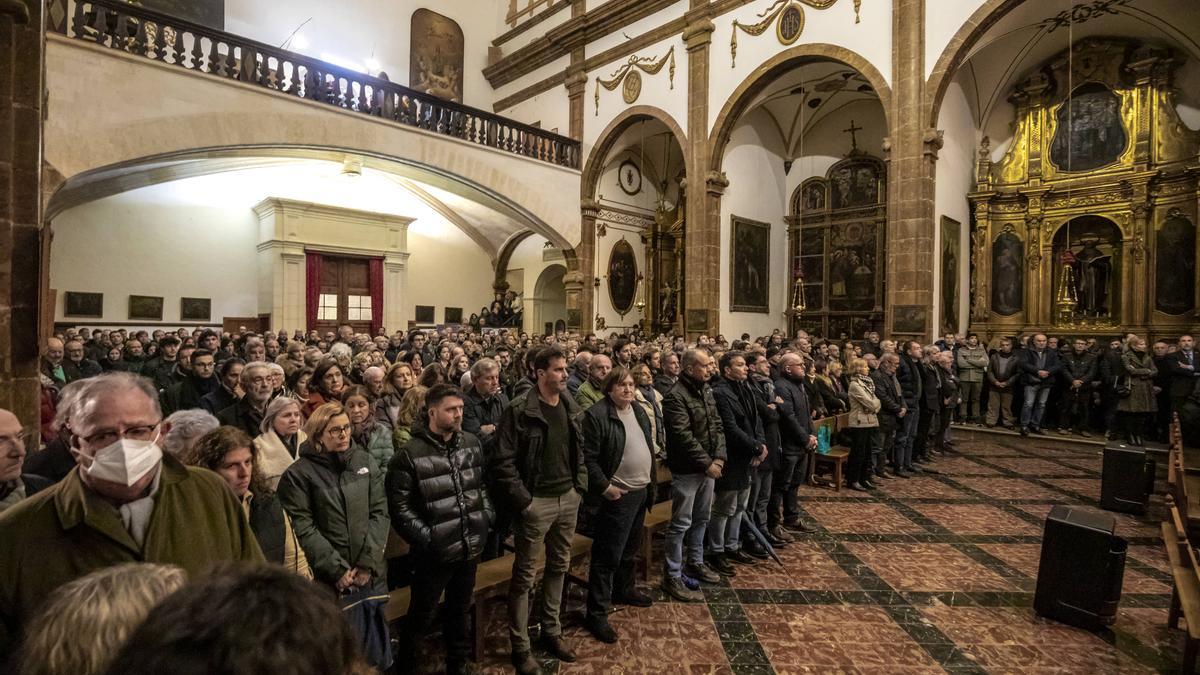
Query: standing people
x,y
892,412
864,423
1184,368
1002,379
439,504
745,449
278,445
1138,406
695,456
484,403
972,362
798,440
764,474
538,475
1039,366
1078,371
618,453
911,381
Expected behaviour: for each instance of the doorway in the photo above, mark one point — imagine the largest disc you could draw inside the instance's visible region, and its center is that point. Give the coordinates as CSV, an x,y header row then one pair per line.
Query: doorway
x,y
345,294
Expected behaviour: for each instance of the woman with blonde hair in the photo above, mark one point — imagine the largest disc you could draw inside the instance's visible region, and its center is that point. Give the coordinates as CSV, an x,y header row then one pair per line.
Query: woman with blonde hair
x,y
864,421
396,383
279,443
1138,408
410,410
86,622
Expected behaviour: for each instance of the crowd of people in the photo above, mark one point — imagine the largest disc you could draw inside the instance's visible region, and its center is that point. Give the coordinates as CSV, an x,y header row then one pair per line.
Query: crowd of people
x,y
177,471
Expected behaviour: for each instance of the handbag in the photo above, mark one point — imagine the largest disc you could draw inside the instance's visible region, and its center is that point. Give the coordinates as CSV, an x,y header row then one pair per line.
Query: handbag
x,y
1122,386
364,609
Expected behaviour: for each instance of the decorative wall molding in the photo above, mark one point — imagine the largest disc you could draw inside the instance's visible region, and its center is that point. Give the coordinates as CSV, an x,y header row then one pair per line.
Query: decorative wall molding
x,y
621,217
630,80
788,17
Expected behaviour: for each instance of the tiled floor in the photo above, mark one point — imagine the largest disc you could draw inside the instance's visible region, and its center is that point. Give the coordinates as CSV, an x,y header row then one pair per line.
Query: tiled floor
x,y
929,575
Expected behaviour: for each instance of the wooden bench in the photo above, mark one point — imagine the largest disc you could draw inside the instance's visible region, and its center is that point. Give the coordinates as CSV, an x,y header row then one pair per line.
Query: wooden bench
x,y
657,519
492,579
1185,592
833,461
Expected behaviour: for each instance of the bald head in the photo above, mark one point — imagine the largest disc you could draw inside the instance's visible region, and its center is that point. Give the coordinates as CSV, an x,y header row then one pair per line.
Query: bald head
x,y
12,447
54,350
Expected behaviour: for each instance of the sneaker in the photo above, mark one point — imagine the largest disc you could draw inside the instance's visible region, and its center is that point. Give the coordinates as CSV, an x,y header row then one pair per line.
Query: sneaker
x,y
743,557
721,564
781,534
1085,434
1064,432
675,587
703,573
601,629
634,598
884,475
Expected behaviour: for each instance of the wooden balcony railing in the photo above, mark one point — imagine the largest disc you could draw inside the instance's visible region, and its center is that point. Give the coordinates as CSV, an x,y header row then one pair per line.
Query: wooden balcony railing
x,y
162,38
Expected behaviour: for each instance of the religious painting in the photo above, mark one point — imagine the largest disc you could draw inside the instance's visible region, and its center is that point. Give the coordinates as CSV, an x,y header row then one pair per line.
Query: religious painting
x,y
1091,245
1089,131
83,305
812,197
195,309
453,315
697,320
909,319
749,266
854,182
622,277
424,313
145,308
1008,275
436,56
852,267
951,231
1175,265
574,318
209,13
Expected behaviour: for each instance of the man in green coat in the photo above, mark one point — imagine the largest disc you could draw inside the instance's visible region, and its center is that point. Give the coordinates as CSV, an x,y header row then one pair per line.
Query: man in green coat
x,y
590,391
124,502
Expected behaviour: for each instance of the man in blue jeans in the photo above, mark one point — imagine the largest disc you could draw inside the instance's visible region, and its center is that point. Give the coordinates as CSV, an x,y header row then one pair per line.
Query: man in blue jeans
x,y
1039,366
909,376
695,456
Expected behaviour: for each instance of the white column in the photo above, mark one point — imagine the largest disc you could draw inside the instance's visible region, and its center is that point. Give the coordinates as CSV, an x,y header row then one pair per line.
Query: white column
x,y
395,278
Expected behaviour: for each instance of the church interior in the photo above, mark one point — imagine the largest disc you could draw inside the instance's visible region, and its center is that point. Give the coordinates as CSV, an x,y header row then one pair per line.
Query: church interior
x,y
678,173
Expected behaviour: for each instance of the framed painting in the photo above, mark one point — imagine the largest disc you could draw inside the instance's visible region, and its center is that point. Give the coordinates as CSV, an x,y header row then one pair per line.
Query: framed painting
x,y
195,309
622,277
453,315
424,313
1008,274
749,266
83,305
951,233
436,56
145,308
909,319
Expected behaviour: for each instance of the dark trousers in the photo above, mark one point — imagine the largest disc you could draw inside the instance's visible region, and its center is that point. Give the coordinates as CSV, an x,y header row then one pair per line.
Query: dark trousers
x,y
791,474
616,539
926,427
760,493
938,442
858,465
494,546
1075,407
881,445
430,579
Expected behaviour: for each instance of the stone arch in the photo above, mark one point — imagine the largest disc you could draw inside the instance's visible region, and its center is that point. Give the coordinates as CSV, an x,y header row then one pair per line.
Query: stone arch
x,y
762,77
549,297
594,168
956,52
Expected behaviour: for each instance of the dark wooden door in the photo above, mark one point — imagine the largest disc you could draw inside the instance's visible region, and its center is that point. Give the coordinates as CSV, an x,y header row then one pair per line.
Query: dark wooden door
x,y
345,294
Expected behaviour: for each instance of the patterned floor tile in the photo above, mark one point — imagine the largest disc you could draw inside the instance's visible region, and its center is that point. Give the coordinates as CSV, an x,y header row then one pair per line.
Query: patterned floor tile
x,y
1036,468
976,519
920,487
928,567
1005,489
849,517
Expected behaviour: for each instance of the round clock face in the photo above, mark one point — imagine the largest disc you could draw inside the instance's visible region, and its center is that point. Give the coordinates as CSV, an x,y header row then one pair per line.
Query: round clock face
x,y
630,177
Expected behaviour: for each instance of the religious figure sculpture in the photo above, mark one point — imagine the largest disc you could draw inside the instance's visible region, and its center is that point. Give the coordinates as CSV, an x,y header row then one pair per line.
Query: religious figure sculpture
x,y
1094,272
667,313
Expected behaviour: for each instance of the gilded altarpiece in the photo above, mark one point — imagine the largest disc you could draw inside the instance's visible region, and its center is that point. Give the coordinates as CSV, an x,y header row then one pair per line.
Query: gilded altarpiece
x,y
1087,225
836,234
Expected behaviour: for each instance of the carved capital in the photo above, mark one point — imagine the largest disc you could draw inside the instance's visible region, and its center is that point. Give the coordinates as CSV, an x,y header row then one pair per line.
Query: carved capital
x,y
698,34
576,81
1141,211
716,183
590,207
933,139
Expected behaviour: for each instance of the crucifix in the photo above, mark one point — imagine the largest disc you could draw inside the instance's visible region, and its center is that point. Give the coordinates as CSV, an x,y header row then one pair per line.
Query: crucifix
x,y
853,131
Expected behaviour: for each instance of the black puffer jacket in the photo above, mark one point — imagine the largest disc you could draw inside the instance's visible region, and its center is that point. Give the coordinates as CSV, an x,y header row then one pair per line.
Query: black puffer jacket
x,y
604,446
437,496
695,436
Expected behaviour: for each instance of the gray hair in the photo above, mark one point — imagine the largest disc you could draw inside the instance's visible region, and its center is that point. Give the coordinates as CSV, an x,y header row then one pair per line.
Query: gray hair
x,y
253,365
274,408
186,427
274,368
340,351
691,357
66,401
92,389
483,367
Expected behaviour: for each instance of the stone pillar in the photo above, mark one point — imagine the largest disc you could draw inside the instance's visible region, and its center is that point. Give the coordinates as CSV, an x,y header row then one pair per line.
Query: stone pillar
x,y
22,50
702,283
579,283
912,150
576,85
395,280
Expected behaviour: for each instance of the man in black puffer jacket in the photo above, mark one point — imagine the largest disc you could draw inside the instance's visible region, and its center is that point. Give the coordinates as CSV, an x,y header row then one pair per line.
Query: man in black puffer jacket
x,y
439,504
746,448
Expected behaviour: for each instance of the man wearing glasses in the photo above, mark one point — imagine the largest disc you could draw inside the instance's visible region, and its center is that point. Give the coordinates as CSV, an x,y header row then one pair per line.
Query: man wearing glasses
x,y
14,486
247,413
124,502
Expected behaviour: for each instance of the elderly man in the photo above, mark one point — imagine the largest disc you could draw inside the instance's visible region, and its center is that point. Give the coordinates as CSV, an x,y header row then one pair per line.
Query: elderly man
x,y
15,486
373,379
579,372
669,374
483,403
125,502
52,362
78,360
247,413
591,391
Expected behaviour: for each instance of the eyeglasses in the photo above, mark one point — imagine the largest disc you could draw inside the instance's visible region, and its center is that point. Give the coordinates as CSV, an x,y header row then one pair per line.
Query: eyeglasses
x,y
339,431
23,438
106,437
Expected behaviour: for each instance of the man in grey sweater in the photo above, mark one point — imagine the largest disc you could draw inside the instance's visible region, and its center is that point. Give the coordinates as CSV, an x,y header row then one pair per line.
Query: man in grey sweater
x,y
972,361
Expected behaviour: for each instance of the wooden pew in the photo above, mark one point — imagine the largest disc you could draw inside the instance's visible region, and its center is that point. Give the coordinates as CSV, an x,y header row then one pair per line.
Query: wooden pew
x,y
833,461
1185,591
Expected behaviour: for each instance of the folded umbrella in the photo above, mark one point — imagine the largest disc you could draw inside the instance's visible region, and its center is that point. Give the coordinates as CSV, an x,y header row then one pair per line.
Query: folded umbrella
x,y
748,523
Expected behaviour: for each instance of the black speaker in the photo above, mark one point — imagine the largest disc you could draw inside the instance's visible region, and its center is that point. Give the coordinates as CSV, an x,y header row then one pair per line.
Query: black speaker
x,y
1127,479
1082,565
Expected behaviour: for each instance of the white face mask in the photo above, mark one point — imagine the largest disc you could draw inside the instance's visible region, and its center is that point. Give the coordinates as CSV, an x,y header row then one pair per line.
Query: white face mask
x,y
125,461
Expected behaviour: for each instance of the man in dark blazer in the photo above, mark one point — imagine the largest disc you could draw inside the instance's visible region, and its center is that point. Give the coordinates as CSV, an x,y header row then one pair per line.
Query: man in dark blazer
x,y
796,431
1184,366
1039,366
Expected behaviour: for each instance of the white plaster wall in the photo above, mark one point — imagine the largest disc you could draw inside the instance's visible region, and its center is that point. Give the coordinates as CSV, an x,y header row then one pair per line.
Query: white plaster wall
x,y
552,108
532,34
127,244
758,191
871,39
943,18
555,67
526,266
446,269
656,91
955,178
358,30
640,27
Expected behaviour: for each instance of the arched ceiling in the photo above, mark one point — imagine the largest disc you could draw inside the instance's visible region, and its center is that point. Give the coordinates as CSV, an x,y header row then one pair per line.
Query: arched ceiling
x,y
1037,30
653,147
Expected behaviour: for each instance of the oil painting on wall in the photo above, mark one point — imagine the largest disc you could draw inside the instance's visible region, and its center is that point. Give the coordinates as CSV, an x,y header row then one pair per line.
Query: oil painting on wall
x,y
436,56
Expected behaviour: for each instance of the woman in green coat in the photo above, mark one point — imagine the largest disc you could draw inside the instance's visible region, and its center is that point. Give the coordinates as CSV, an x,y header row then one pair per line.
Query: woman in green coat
x,y
367,432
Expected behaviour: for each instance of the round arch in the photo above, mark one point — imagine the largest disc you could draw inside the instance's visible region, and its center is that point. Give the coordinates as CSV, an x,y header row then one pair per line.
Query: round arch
x,y
594,167
549,297
129,175
956,52
768,71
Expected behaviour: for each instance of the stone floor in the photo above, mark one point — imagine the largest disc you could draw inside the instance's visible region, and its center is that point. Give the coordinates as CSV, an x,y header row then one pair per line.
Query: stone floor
x,y
925,575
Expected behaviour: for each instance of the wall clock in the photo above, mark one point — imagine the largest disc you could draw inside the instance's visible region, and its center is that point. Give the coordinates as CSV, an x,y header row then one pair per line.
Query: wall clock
x,y
630,177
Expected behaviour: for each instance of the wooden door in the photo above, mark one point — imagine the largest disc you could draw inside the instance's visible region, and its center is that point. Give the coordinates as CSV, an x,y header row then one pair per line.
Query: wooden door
x,y
345,294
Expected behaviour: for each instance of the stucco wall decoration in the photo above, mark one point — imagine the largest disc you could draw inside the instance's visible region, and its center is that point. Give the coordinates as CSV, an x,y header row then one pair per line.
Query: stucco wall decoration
x,y
788,17
630,80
